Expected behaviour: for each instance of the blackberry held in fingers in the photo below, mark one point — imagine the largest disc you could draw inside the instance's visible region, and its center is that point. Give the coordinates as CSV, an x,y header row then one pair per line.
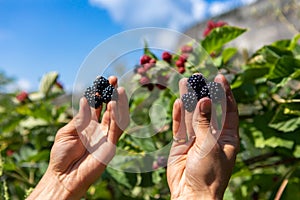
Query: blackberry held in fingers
x,y
195,83
189,101
216,91
100,92
93,97
100,84
108,94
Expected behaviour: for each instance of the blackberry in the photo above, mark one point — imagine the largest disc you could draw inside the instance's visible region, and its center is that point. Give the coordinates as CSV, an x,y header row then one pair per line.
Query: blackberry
x,y
189,101
216,91
108,94
195,83
204,92
100,84
92,97
100,92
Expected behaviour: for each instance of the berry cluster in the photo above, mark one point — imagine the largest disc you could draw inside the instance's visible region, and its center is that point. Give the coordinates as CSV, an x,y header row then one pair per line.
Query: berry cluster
x,y
180,63
100,92
212,25
198,88
146,63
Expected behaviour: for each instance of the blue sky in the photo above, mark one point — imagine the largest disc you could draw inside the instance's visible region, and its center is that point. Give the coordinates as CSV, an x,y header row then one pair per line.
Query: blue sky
x,y
56,35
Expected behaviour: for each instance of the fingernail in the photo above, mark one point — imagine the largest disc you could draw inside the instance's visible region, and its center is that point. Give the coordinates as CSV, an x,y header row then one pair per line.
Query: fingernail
x,y
205,106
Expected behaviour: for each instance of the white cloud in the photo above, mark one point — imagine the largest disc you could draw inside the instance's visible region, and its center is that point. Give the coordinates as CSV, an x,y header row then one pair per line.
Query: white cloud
x,y
174,14
219,7
24,84
163,13
21,84
199,8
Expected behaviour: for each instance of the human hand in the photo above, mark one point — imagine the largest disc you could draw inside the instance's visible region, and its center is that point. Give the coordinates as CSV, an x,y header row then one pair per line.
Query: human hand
x,y
201,167
83,148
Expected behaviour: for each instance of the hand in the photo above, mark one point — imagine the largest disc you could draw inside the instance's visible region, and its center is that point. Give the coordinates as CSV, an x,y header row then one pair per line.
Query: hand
x,y
83,148
201,167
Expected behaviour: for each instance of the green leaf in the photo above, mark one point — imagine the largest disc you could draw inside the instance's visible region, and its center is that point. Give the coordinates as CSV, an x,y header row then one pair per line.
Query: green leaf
x,y
286,118
278,142
294,42
148,52
47,82
228,53
218,37
285,66
297,151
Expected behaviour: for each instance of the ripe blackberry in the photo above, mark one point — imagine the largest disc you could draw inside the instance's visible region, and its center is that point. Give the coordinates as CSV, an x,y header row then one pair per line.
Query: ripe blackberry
x,y
92,97
100,84
189,101
204,92
195,83
216,91
108,94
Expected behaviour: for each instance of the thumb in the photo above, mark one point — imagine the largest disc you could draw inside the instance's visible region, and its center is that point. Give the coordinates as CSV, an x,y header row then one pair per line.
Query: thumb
x,y
79,122
201,118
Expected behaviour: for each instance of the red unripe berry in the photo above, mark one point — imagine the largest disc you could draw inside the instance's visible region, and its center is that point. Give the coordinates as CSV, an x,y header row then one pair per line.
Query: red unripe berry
x,y
186,49
211,25
148,66
22,96
141,70
166,56
183,57
145,59
179,63
9,152
181,70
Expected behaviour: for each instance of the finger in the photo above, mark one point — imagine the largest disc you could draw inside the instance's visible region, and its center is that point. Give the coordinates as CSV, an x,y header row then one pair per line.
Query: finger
x,y
105,121
231,112
79,122
180,145
119,116
201,118
229,138
188,115
179,128
114,131
96,113
113,80
123,109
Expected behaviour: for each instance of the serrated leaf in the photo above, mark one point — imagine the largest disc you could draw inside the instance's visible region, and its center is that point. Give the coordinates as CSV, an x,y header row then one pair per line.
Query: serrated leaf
x,y
218,37
47,82
284,67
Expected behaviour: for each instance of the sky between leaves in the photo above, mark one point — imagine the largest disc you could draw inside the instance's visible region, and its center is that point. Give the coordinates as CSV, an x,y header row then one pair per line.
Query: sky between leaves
x,y
56,35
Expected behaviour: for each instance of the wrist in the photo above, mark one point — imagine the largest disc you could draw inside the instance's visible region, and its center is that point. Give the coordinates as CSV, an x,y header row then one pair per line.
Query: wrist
x,y
197,196
50,187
